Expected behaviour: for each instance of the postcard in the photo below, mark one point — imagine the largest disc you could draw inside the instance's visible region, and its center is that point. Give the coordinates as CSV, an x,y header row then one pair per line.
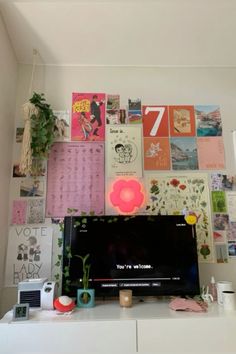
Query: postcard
x,y
134,104
32,187
36,211
231,231
211,153
113,102
221,182
134,117
155,121
88,117
184,154
182,121
231,203
19,135
220,222
221,253
62,125
19,210
156,154
208,120
113,116
219,202
219,236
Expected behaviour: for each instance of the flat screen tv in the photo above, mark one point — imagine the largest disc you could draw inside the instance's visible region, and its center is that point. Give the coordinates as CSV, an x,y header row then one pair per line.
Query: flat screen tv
x,y
152,255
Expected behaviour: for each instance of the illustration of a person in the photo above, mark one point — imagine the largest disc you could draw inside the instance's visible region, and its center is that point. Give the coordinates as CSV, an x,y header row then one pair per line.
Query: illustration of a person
x,y
37,253
119,148
32,247
25,253
33,191
127,153
95,111
86,126
20,252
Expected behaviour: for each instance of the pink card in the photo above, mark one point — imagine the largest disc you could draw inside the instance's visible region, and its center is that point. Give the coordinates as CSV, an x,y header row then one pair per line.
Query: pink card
x,y
75,179
211,153
19,208
88,117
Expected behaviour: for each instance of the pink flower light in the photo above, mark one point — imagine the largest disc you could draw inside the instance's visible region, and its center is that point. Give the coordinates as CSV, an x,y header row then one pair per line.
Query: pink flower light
x,y
127,195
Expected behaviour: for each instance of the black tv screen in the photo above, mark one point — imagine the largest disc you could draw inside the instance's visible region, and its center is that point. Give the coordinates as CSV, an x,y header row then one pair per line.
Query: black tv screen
x,y
152,255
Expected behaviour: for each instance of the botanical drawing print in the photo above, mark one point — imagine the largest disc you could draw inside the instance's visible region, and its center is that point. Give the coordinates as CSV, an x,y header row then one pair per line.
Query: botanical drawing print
x,y
175,195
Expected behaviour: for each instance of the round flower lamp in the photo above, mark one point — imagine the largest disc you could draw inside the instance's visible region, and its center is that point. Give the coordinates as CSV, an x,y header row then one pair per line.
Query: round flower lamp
x,y
64,304
127,195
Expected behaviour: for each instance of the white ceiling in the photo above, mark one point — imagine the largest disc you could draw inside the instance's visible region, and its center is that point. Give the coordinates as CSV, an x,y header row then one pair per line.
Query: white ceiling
x,y
158,32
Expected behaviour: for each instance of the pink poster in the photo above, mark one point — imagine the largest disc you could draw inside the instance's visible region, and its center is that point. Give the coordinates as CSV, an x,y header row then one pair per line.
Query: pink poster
x,y
88,117
75,179
211,153
19,208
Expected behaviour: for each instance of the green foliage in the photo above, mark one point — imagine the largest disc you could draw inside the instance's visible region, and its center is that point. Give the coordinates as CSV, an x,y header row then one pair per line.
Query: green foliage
x,y
42,127
86,270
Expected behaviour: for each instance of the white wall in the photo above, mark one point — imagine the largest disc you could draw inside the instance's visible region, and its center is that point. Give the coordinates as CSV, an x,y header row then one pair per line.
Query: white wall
x,y
8,79
154,86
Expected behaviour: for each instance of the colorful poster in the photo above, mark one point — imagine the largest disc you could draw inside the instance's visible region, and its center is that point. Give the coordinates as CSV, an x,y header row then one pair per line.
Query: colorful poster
x,y
184,154
36,211
182,121
211,153
62,125
75,179
29,253
176,194
208,120
218,202
156,154
88,117
231,204
155,121
19,210
113,102
123,151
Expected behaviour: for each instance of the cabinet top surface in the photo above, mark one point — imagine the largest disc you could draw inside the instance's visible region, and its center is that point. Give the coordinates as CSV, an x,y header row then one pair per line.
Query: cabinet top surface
x,y
111,311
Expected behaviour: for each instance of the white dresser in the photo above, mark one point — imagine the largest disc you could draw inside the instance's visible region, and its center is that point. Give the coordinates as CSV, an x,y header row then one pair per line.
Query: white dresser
x,y
108,328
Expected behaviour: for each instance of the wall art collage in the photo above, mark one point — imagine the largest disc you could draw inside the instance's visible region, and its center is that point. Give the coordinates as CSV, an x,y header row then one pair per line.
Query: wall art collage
x,y
173,151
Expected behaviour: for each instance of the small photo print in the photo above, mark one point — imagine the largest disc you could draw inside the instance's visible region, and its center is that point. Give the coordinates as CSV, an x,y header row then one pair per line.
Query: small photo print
x,y
19,135
220,222
31,188
134,104
219,236
208,120
113,102
231,232
221,253
232,249
16,171
112,117
62,126
135,117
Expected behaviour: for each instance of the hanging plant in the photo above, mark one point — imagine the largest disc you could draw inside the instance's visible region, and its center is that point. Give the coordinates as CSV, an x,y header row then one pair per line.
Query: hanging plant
x,y
39,134
42,127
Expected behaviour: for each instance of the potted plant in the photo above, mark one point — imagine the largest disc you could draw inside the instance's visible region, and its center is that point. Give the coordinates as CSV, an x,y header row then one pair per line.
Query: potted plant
x,y
85,296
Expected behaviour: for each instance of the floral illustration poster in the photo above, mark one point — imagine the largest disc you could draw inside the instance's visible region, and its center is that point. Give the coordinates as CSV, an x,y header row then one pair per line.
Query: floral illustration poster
x,y
88,117
123,151
178,194
156,153
28,254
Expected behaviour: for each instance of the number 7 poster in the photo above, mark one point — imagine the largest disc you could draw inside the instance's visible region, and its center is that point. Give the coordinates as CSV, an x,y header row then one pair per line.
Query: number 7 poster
x,y
155,121
123,151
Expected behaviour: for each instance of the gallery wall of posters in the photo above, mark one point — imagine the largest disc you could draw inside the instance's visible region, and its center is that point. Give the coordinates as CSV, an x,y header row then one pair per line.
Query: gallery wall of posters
x,y
168,148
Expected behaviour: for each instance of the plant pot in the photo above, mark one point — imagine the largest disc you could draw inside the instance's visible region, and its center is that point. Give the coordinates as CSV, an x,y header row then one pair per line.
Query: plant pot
x,y
85,298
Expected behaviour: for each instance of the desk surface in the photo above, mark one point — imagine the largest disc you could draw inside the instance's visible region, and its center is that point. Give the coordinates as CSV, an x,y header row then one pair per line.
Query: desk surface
x,y
111,311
